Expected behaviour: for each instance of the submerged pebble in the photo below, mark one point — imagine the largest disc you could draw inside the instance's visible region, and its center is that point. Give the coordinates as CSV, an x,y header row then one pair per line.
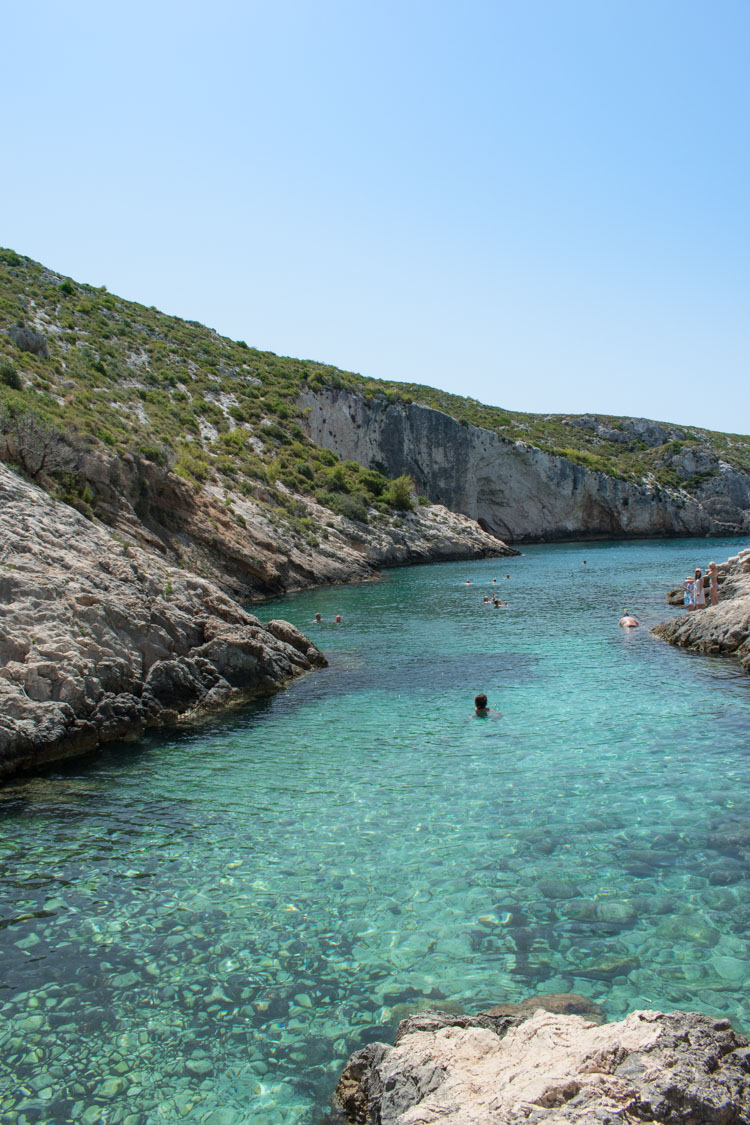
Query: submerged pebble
x,y
310,882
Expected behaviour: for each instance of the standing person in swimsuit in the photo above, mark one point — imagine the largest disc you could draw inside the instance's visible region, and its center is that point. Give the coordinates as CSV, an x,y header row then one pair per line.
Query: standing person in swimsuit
x,y
699,594
713,583
687,593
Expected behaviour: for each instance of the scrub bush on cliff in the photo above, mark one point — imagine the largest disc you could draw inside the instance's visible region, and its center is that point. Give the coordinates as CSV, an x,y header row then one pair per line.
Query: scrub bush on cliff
x,y
39,449
398,494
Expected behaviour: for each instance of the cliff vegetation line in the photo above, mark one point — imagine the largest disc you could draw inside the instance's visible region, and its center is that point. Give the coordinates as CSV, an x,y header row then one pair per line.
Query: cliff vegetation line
x,y
111,374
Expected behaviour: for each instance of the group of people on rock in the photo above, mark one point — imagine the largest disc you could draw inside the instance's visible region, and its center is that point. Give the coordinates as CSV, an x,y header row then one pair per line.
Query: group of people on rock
x,y
694,589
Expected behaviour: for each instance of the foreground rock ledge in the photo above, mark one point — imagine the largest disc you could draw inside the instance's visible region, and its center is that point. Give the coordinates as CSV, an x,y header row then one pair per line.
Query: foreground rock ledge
x,y
100,640
721,630
552,1068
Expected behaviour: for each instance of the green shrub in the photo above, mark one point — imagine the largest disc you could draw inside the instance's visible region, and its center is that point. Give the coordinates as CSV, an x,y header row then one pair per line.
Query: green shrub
x,y
398,493
373,481
350,505
9,376
193,465
335,479
158,452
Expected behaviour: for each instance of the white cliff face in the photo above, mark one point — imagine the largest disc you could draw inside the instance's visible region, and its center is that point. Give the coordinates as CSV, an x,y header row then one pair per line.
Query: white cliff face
x,y
515,490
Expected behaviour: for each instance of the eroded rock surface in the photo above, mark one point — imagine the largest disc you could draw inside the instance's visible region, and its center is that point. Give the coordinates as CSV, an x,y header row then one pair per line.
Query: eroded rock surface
x,y
100,639
523,493
252,550
723,629
681,1068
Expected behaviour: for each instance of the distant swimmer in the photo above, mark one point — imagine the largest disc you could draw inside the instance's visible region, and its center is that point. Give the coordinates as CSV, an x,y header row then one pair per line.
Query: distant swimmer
x,y
485,599
318,619
494,580
507,576
337,620
481,710
628,620
467,582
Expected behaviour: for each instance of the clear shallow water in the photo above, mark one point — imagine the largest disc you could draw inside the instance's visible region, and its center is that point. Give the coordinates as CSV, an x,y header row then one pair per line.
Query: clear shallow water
x,y
203,927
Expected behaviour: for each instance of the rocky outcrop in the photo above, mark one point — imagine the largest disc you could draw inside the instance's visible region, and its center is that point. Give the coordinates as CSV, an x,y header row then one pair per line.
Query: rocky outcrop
x,y
100,639
255,549
28,340
681,1068
518,491
723,629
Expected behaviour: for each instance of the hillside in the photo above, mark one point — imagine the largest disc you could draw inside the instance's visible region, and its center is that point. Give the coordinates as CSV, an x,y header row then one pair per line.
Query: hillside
x,y
129,386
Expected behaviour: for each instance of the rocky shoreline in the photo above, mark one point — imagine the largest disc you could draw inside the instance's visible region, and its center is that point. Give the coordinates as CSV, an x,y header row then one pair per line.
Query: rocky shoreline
x,y
254,548
721,630
106,631
99,640
538,1062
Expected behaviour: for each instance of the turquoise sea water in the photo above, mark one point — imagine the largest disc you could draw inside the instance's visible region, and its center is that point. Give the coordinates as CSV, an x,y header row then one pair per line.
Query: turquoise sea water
x,y
202,927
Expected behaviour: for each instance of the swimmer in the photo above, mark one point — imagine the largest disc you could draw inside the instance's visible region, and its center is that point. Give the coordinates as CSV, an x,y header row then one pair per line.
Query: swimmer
x,y
494,580
318,619
337,619
485,599
467,582
507,576
481,710
628,621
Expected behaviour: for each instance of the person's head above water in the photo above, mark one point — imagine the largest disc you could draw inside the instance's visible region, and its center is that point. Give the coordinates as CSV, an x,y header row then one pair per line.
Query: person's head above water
x,y
480,702
318,617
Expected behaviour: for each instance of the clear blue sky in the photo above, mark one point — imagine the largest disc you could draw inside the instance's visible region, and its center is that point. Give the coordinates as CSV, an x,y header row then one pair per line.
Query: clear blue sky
x,y
543,205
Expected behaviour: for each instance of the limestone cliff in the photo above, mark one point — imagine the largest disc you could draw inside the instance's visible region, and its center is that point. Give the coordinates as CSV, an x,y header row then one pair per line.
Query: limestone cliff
x,y
518,491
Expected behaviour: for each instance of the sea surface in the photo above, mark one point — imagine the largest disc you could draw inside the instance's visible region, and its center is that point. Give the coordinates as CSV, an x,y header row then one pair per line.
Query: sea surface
x,y
201,927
